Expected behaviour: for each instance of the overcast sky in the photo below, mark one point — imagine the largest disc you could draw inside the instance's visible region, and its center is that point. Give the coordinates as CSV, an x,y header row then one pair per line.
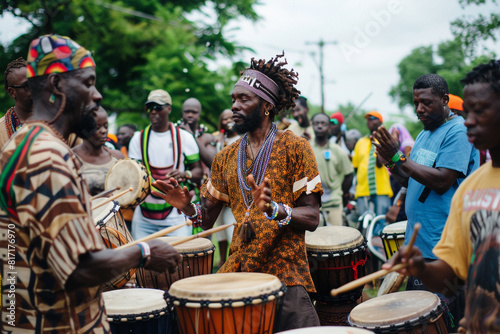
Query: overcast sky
x,y
371,38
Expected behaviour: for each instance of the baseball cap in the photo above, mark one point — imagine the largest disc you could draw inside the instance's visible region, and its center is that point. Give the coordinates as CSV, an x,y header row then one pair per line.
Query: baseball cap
x,y
375,114
159,96
456,102
338,116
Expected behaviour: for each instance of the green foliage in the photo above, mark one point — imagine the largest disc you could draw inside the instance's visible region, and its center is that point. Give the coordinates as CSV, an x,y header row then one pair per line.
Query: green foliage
x,y
449,61
139,46
472,30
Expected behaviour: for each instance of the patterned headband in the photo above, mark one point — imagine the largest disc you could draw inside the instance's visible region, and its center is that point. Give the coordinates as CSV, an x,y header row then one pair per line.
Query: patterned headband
x,y
56,54
260,84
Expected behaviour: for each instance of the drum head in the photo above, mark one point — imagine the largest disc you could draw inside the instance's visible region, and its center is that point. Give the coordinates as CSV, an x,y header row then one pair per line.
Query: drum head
x,y
333,238
133,301
391,283
105,212
191,246
394,308
395,228
226,286
126,173
328,330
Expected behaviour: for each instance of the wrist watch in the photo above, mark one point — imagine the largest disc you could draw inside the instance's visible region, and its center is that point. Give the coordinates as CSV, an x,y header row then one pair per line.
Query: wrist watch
x,y
188,174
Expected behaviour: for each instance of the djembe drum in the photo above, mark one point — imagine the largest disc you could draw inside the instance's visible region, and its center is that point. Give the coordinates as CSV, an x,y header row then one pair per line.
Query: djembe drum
x,y
401,312
393,237
138,311
337,255
114,232
328,330
229,303
197,259
126,173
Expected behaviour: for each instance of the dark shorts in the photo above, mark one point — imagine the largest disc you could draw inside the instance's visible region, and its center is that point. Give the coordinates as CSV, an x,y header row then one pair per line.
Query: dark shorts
x,y
298,310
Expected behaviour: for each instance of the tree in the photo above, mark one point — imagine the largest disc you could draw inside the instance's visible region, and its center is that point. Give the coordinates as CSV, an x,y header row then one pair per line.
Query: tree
x,y
472,30
449,61
142,45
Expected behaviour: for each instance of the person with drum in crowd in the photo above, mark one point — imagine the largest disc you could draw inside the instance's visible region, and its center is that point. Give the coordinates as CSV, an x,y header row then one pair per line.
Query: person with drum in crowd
x,y
16,85
335,169
166,151
96,157
60,259
440,160
125,133
270,180
468,249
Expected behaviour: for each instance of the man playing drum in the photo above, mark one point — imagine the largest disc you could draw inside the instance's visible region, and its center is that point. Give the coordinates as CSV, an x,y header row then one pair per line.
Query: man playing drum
x,y
270,180
54,261
469,249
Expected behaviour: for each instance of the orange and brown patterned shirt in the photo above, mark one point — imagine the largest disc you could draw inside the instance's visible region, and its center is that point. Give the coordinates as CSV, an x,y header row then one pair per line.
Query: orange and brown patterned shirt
x,y
45,226
292,171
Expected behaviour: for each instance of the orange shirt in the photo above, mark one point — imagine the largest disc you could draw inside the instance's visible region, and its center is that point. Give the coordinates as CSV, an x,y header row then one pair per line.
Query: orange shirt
x,y
292,171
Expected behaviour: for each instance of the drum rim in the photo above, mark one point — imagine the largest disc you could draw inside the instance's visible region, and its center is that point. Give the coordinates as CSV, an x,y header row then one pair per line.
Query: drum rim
x,y
156,302
389,228
398,278
180,293
335,253
433,312
350,244
201,246
135,195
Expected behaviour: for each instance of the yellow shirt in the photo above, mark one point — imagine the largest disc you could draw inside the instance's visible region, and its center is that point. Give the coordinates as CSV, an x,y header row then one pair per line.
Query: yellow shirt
x,y
360,161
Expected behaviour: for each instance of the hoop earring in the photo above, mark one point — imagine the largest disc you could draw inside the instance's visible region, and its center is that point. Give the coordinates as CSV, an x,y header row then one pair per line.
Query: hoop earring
x,y
266,113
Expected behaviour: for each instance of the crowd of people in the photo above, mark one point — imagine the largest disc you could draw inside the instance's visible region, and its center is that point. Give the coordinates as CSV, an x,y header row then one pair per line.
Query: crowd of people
x,y
275,179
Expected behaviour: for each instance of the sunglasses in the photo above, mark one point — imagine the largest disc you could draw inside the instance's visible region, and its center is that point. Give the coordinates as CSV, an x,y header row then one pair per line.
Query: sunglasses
x,y
371,118
24,86
334,121
155,107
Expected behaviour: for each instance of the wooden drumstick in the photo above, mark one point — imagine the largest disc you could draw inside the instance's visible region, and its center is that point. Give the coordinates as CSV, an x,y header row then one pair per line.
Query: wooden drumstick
x,y
104,193
368,278
201,234
112,198
155,235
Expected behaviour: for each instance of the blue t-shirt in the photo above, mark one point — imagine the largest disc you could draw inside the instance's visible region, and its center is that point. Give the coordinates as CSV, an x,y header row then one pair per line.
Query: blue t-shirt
x,y
446,147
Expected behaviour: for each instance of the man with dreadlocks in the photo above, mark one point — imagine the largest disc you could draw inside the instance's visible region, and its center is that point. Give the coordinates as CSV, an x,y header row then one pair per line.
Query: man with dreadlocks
x,y
54,260
440,160
469,247
270,180
16,85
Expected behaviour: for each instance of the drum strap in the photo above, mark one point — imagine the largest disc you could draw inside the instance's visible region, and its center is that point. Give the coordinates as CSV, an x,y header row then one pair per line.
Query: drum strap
x,y
159,211
353,265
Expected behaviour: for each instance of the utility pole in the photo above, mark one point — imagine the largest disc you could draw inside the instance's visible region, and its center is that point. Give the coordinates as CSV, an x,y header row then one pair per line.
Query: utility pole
x,y
321,44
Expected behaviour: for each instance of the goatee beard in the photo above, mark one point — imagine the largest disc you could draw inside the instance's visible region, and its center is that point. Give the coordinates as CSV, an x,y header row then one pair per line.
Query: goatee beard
x,y
250,122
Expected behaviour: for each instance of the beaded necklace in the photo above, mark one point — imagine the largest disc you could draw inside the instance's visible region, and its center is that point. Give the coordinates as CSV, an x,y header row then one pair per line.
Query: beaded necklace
x,y
12,122
46,124
258,166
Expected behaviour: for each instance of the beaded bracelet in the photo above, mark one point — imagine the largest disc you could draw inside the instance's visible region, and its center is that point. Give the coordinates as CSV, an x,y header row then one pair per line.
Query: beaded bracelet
x,y
145,254
196,218
275,211
285,221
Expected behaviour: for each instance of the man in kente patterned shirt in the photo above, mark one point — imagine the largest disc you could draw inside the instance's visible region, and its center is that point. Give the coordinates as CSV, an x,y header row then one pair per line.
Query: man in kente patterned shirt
x,y
53,259
271,182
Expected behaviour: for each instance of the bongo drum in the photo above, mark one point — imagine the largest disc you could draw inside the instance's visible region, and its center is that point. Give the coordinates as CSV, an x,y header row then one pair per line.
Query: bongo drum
x,y
401,312
391,283
328,330
197,259
229,303
393,237
114,232
337,255
126,173
138,311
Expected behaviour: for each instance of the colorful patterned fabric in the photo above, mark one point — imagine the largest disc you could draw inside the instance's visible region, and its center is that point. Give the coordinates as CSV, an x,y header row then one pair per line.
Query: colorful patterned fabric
x,y
45,209
292,171
56,54
371,171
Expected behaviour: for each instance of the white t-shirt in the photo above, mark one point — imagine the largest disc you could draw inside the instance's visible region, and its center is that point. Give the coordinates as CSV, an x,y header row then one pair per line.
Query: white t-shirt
x,y
161,156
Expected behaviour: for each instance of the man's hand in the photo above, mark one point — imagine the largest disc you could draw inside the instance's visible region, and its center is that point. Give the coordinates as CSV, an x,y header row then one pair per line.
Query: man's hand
x,y
386,146
261,194
186,127
172,193
178,175
163,256
414,259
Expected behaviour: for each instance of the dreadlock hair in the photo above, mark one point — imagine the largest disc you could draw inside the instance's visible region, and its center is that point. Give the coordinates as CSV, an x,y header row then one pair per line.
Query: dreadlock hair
x,y
18,63
438,84
284,78
488,73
